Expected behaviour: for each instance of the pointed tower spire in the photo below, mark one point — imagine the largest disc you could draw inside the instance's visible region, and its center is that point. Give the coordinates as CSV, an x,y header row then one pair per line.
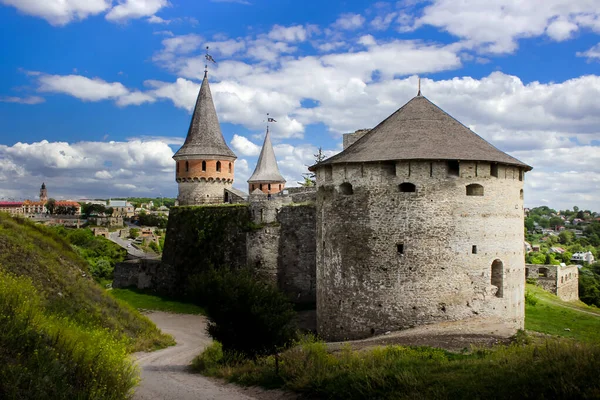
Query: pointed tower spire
x,y
204,164
204,136
266,176
419,92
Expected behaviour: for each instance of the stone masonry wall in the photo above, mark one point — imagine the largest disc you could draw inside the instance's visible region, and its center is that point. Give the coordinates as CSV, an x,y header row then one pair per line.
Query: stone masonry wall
x,y
389,260
561,281
280,249
202,192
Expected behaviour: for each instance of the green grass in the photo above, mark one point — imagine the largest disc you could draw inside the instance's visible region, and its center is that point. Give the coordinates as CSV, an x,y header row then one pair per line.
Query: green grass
x,y
557,369
552,316
140,300
64,281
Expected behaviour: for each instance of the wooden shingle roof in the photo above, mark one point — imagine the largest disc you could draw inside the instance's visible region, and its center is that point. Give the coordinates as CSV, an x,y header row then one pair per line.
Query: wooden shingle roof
x,y
204,138
420,130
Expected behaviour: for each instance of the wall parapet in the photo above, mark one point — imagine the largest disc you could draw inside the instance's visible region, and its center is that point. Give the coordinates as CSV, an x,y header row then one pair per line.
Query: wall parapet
x,y
560,280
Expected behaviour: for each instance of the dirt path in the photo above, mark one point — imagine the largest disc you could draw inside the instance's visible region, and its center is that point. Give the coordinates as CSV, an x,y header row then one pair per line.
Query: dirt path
x,y
165,374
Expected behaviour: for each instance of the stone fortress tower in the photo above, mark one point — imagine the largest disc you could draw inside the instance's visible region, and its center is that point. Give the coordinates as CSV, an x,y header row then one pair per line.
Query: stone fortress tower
x,y
43,192
419,221
204,164
266,176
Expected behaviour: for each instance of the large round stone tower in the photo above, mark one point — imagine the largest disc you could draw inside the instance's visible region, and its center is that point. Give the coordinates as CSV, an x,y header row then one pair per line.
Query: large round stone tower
x,y
418,221
266,176
204,164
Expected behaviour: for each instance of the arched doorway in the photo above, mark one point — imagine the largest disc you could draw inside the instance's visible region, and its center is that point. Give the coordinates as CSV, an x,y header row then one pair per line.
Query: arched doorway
x,y
497,277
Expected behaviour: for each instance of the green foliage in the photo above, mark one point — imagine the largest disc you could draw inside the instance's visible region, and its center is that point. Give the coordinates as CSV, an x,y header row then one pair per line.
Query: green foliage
x,y
211,358
153,220
149,301
552,370
45,356
62,277
589,284
535,258
100,253
530,298
134,233
234,302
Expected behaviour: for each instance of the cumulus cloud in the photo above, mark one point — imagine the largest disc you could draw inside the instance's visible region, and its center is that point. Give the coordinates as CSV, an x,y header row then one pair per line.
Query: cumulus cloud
x,y
128,9
494,26
349,21
288,34
60,12
81,87
87,169
244,147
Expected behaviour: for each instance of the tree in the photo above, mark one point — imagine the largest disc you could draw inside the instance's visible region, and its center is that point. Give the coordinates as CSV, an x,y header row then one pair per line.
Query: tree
x,y
51,205
310,179
529,224
134,232
566,237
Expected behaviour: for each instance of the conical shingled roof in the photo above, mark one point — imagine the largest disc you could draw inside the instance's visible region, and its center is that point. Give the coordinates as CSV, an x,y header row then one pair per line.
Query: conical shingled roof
x,y
266,167
420,130
204,138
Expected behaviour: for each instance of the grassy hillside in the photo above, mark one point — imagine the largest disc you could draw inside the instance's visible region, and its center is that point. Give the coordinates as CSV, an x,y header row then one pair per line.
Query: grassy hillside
x,y
63,280
551,315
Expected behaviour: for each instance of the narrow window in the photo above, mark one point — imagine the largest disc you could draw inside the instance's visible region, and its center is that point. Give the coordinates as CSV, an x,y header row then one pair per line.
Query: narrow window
x,y
521,194
260,186
474,249
204,166
409,169
474,190
407,187
400,248
430,169
498,277
279,187
526,272
218,166
262,215
562,279
346,189
494,170
269,186
187,166
230,167
520,174
453,168
177,166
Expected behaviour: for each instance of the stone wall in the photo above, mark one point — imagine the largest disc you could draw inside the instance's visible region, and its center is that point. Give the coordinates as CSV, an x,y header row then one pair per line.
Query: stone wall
x,y
556,279
280,247
389,258
202,192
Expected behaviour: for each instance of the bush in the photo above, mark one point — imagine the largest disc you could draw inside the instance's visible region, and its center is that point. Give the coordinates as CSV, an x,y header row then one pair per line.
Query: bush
x,y
530,298
44,356
246,315
210,358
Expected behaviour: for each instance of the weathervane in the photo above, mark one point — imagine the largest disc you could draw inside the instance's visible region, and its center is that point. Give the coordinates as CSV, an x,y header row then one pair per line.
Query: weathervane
x,y
208,58
269,120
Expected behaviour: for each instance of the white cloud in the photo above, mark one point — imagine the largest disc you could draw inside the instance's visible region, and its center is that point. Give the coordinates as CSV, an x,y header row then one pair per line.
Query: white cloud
x,y
494,26
288,34
244,147
87,169
158,20
349,21
591,54
60,12
22,100
81,87
382,22
128,9
135,98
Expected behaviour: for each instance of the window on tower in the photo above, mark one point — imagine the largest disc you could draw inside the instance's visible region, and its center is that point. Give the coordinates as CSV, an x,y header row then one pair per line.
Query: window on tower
x,y
203,166
218,166
187,166
230,167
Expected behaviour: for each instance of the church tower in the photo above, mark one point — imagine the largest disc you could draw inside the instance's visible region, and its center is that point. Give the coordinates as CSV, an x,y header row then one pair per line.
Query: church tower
x,y
266,176
204,164
43,193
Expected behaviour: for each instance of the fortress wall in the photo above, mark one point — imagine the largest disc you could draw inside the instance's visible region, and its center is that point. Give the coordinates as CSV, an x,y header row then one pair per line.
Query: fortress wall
x,y
388,260
297,252
567,282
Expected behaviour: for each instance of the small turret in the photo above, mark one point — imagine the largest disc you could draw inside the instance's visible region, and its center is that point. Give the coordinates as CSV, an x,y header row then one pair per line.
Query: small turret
x,y
43,193
266,176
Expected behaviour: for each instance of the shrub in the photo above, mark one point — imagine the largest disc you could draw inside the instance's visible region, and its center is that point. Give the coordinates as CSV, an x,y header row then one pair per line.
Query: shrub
x,y
210,358
246,315
530,298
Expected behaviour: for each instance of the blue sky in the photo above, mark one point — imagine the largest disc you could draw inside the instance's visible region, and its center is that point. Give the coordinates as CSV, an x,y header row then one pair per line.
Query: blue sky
x,y
95,95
